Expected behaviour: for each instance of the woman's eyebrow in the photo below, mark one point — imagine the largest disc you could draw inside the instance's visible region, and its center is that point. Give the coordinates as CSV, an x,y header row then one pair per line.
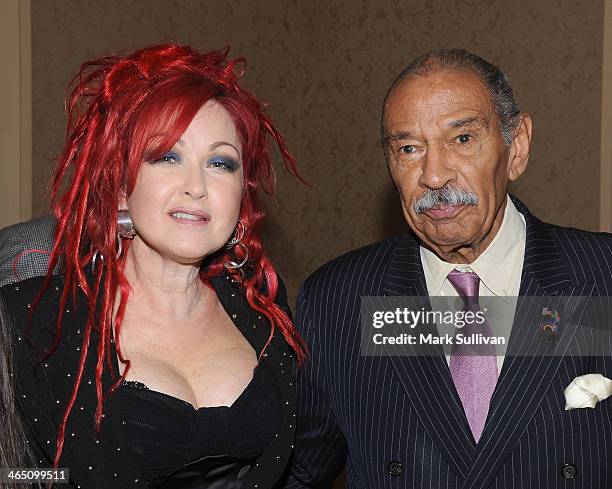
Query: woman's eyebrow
x,y
215,145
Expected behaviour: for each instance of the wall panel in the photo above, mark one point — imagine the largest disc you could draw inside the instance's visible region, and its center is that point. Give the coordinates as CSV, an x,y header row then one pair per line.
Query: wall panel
x,y
324,68
16,109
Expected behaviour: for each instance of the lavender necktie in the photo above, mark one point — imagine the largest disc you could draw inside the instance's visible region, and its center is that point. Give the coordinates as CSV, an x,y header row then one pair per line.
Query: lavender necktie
x,y
473,367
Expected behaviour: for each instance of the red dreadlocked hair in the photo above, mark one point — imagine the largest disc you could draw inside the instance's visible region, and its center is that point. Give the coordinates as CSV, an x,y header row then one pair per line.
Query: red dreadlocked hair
x,y
126,110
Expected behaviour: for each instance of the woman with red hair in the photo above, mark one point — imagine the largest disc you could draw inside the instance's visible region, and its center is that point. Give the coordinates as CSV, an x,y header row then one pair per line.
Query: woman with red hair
x,y
164,354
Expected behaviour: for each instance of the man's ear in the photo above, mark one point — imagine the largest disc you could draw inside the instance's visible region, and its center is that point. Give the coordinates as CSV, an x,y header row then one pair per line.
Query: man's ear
x,y
519,149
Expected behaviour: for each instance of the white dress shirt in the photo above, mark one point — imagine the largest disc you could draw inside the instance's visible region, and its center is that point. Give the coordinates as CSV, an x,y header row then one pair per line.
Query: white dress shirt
x,y
499,267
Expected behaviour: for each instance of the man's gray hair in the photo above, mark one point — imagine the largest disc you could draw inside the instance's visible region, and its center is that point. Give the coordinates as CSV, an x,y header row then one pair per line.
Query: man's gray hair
x,y
496,82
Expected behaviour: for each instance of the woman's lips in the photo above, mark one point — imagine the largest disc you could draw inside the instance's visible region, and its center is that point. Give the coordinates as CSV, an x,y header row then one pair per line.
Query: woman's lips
x,y
443,211
190,217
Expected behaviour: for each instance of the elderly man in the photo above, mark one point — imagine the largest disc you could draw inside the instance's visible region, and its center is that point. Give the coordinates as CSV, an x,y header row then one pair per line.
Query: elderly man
x,y
454,138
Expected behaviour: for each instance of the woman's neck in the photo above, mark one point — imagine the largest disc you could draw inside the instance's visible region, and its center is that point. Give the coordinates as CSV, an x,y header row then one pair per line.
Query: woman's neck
x,y
164,288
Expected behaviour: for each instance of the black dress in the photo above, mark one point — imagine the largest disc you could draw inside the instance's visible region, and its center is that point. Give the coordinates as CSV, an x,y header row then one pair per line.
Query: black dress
x,y
169,437
147,438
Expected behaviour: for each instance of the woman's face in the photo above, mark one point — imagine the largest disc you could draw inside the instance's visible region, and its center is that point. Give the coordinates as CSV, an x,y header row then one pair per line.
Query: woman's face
x,y
185,205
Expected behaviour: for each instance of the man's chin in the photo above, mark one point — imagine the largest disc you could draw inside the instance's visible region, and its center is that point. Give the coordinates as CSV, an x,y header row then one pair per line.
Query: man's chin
x,y
446,242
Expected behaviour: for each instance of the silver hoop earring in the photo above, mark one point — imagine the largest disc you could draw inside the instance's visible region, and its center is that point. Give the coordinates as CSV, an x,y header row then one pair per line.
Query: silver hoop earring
x,y
237,236
125,229
119,247
125,226
94,258
236,240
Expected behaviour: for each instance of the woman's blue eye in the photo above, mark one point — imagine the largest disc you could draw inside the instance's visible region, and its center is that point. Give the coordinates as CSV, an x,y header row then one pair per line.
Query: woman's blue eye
x,y
408,149
169,157
224,163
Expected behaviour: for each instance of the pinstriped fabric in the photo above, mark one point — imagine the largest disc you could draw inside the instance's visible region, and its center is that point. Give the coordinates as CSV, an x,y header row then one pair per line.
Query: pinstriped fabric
x,y
375,413
36,234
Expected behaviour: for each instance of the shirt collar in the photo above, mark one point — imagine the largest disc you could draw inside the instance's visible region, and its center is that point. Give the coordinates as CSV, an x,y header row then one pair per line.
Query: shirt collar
x,y
497,265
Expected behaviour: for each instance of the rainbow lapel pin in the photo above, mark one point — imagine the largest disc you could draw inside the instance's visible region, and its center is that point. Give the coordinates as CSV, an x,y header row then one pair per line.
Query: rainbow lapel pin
x,y
549,325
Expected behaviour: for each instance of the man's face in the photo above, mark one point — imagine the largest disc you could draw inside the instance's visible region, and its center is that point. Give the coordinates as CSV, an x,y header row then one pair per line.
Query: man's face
x,y
442,132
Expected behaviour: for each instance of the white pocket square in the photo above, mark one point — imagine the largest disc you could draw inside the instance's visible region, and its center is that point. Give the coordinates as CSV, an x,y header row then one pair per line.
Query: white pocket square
x,y
587,390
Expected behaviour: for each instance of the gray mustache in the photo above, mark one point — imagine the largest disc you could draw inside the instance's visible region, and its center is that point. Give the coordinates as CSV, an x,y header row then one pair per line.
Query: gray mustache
x,y
447,195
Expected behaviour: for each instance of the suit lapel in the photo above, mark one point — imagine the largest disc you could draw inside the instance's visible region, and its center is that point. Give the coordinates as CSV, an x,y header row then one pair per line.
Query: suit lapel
x,y
524,380
427,379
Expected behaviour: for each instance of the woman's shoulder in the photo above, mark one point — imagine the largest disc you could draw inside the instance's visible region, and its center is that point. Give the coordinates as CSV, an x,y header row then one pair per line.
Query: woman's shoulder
x,y
280,298
225,285
281,292
25,292
26,311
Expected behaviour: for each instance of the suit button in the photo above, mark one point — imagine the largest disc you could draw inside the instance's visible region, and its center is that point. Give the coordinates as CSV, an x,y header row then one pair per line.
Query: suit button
x,y
569,471
395,468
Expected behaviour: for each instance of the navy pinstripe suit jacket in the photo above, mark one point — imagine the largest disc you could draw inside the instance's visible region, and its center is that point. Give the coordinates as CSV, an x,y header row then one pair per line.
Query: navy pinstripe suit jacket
x,y
398,422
